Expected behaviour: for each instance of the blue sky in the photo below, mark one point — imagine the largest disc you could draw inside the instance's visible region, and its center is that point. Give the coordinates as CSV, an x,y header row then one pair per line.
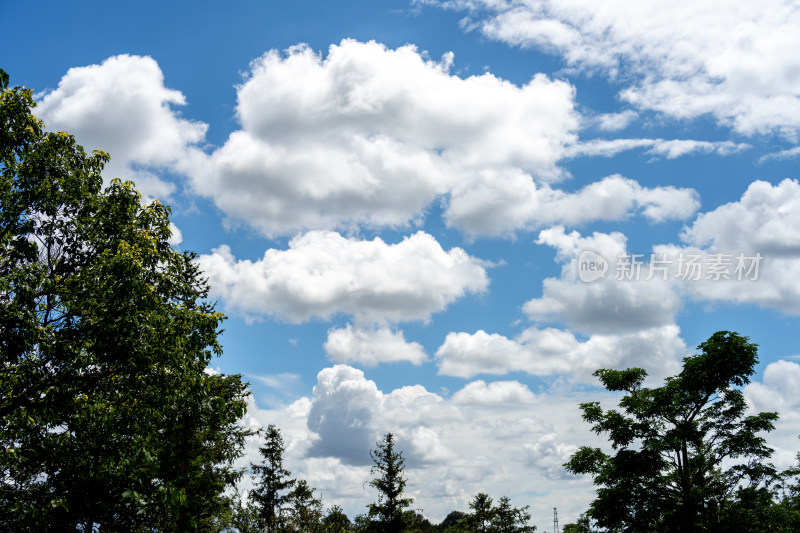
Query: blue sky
x,y
391,201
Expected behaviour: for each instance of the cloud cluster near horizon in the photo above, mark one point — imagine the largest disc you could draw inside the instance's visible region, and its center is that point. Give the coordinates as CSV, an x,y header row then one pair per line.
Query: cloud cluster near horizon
x,y
477,438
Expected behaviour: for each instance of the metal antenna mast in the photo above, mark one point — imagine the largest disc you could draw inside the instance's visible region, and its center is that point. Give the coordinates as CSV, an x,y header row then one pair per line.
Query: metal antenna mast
x,y
555,520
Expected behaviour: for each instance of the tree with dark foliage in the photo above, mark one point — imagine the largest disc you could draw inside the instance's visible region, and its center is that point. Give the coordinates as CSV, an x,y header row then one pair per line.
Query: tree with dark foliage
x,y
489,518
387,514
107,417
670,443
274,482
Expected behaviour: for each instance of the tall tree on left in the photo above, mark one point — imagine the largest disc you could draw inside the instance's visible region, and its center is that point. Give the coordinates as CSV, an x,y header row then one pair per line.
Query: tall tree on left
x,y
107,417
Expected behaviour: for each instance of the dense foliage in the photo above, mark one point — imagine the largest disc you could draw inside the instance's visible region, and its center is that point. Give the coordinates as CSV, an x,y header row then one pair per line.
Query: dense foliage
x,y
489,518
107,417
686,457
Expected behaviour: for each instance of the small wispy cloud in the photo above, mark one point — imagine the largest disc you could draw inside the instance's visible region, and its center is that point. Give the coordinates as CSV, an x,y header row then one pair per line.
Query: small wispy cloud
x,y
280,382
791,153
667,148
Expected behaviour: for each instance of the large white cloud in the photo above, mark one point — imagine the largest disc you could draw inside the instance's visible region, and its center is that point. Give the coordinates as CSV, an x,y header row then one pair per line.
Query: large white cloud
x,y
777,392
343,414
760,233
371,345
550,351
778,388
765,219
607,305
487,437
498,204
323,273
367,136
475,440
549,455
372,136
746,251
123,107
733,60
348,415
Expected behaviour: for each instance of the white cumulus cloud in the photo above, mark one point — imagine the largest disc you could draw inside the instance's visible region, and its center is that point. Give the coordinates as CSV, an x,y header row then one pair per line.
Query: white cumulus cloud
x,y
756,243
607,305
370,346
323,273
365,137
371,135
495,393
733,60
549,455
765,219
123,107
551,351
777,390
344,413
501,204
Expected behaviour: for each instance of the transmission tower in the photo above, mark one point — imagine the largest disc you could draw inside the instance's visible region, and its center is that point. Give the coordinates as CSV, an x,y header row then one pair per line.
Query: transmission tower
x,y
555,520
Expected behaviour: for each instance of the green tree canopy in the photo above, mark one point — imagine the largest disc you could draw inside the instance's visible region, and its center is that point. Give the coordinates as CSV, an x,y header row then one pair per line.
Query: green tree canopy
x,y
583,525
680,451
107,416
452,519
486,517
304,514
480,519
336,521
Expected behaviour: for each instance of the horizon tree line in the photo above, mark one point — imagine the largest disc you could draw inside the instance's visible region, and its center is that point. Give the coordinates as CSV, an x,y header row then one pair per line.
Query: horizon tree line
x,y
281,504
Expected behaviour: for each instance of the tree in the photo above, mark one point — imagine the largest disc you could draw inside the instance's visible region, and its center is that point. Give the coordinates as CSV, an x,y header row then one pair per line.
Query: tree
x,y
202,446
387,514
583,525
274,483
415,522
786,511
452,519
480,519
304,514
336,521
489,518
510,519
776,505
105,333
670,442
363,524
